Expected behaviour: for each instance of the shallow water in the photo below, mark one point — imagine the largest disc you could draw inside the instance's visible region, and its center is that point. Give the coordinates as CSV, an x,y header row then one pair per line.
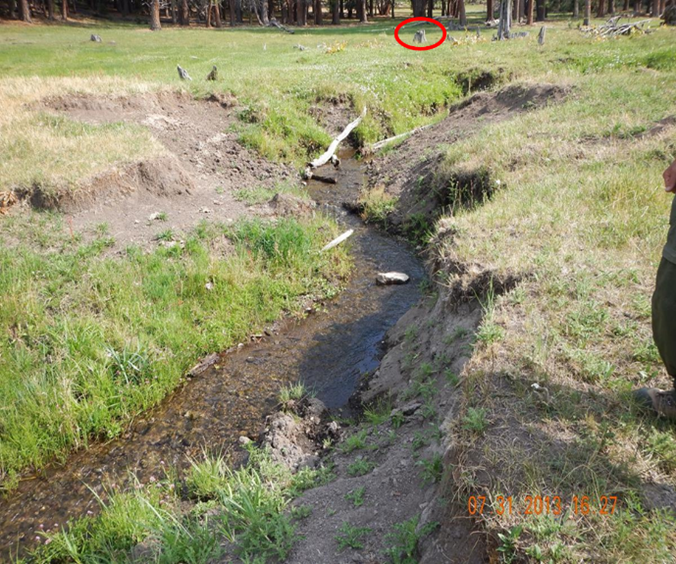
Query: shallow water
x,y
329,350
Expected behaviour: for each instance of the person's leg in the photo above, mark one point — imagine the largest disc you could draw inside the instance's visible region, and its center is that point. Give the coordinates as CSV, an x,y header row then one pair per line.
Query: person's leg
x,y
664,333
664,315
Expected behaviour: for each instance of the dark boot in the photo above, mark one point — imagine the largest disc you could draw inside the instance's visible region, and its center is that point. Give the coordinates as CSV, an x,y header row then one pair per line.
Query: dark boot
x,y
662,403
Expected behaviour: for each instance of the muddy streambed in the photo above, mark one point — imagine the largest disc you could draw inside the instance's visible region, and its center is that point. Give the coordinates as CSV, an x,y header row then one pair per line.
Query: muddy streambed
x,y
329,350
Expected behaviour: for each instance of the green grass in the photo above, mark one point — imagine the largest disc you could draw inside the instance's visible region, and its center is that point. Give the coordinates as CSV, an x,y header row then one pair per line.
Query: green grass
x,y
245,509
351,536
378,413
360,467
91,341
402,541
260,194
432,469
356,496
292,393
475,420
377,206
357,441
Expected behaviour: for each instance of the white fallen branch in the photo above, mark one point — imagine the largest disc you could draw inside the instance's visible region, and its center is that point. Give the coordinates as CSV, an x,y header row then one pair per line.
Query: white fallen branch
x,y
327,156
338,240
380,144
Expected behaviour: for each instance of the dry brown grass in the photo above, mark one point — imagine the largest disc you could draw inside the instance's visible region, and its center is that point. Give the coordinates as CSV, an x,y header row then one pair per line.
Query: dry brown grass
x,y
41,148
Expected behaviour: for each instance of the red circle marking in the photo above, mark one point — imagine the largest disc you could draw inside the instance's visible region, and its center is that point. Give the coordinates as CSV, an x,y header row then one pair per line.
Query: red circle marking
x,y
411,47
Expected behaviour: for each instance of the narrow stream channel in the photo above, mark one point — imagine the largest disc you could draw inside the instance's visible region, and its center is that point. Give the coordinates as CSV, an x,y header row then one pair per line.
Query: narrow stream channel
x,y
329,351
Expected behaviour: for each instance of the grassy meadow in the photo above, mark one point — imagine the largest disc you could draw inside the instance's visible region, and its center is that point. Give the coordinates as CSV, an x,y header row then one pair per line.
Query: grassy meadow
x,y
88,340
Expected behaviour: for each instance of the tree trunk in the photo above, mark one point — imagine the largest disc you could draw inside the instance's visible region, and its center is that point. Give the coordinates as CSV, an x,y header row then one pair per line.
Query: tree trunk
x,y
539,10
335,13
505,19
299,12
462,16
430,8
490,9
418,8
155,24
271,9
342,10
318,12
361,11
50,9
531,7
576,8
217,14
587,12
371,8
184,13
611,7
24,11
656,9
601,12
626,5
392,3
64,10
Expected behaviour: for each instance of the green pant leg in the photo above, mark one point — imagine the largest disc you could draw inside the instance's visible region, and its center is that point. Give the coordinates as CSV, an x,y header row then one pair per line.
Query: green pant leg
x,y
664,315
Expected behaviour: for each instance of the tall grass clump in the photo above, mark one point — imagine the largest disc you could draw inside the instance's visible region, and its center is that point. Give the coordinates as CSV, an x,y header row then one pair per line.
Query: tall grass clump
x,y
234,511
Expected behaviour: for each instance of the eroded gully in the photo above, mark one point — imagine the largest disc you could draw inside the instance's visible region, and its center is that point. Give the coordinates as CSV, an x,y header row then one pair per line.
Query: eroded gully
x,y
329,351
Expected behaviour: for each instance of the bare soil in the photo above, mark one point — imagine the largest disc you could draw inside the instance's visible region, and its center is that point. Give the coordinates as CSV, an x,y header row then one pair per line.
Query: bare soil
x,y
195,179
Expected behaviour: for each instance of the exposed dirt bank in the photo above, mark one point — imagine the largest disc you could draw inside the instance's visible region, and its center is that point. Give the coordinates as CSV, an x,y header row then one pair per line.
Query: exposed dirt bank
x,y
410,172
197,178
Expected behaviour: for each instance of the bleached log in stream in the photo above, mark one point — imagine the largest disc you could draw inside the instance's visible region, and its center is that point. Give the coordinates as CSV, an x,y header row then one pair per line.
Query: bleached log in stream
x,y
380,144
328,155
338,240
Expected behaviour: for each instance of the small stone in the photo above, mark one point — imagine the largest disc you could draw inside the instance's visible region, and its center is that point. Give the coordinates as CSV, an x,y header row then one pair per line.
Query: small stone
x,y
154,216
243,440
411,408
206,210
333,428
387,278
209,286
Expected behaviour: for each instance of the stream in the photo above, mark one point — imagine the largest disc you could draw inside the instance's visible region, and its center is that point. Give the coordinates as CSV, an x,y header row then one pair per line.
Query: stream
x,y
329,351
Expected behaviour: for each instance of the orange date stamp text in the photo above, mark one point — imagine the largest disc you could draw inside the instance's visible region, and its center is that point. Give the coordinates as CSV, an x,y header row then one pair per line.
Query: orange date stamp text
x,y
542,505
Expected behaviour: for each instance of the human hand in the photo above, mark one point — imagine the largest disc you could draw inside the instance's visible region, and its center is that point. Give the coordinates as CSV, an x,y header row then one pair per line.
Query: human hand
x,y
669,176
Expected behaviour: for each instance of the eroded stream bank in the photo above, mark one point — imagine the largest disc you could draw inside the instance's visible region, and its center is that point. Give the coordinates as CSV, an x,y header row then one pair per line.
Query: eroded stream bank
x,y
329,351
